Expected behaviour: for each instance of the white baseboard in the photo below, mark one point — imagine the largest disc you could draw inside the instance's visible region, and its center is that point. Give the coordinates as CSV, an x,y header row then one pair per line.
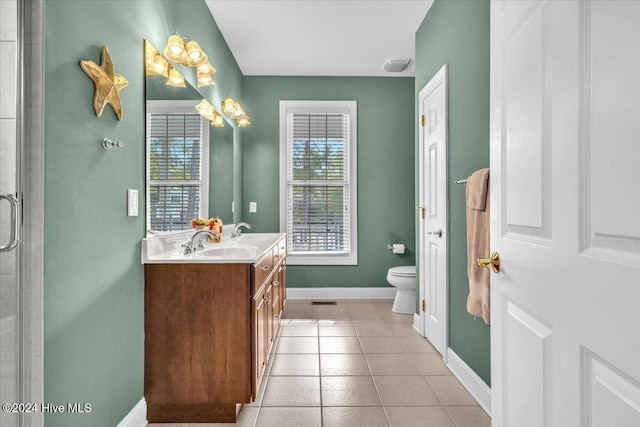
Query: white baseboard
x,y
341,293
137,417
473,383
418,324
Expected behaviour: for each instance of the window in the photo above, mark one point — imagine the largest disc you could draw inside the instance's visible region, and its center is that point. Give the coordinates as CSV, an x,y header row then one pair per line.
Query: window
x,y
318,181
177,165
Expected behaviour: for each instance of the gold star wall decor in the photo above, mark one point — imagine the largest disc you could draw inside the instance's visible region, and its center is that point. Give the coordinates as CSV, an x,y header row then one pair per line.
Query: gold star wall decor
x,y
108,84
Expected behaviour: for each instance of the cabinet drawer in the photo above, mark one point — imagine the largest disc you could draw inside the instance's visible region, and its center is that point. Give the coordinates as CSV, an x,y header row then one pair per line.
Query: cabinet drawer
x,y
280,250
261,271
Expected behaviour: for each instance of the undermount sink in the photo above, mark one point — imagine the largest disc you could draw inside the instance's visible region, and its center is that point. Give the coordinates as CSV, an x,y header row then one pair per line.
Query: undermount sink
x,y
229,252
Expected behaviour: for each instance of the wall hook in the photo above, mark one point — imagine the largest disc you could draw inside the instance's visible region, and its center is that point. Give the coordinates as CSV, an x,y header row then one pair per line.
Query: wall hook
x,y
107,144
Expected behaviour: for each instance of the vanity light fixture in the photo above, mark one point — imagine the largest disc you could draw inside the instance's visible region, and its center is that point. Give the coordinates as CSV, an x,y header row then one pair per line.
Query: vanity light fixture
x,y
233,108
206,68
218,120
195,55
207,111
205,79
243,121
175,78
175,50
155,63
205,108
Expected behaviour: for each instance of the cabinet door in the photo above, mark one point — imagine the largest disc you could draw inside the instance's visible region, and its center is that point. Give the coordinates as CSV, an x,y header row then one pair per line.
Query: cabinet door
x,y
276,301
260,340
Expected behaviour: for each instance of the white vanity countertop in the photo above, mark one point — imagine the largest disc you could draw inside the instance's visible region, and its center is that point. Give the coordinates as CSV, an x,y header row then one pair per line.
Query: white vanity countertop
x,y
246,249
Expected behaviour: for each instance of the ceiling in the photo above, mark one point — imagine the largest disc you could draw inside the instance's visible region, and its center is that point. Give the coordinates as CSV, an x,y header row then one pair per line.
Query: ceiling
x,y
319,37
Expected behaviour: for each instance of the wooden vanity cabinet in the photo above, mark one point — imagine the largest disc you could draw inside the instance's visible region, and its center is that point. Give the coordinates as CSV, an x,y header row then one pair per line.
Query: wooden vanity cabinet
x,y
267,305
209,331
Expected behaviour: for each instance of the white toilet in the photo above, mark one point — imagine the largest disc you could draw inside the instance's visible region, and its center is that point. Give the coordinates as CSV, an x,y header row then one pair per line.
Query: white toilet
x,y
404,280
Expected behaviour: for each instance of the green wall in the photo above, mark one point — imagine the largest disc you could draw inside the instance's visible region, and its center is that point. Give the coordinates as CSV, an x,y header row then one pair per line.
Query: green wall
x,y
457,33
93,295
385,169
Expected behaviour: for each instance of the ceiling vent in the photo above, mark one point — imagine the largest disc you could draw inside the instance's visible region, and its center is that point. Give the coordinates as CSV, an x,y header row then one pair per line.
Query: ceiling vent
x,y
396,65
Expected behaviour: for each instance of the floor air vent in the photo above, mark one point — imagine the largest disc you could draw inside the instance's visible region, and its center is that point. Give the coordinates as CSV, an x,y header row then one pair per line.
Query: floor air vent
x,y
324,303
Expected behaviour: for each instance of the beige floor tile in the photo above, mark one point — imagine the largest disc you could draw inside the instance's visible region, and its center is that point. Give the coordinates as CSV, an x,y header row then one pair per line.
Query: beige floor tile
x,y
328,314
374,329
392,317
405,391
449,390
299,330
425,416
417,344
403,330
295,365
430,364
297,345
391,364
301,313
380,345
292,391
469,416
168,425
362,305
366,316
336,330
340,345
354,417
247,417
383,304
289,417
343,364
349,391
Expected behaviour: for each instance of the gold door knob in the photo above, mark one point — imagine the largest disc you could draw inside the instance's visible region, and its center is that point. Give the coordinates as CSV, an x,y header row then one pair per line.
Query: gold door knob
x,y
493,262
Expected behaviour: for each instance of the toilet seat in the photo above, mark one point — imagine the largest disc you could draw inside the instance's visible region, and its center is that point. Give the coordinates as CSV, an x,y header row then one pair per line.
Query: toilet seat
x,y
403,271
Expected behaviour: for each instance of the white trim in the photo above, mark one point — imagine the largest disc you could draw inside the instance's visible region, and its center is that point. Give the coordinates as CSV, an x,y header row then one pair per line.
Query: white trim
x,y
341,293
350,107
480,391
440,78
7,324
418,324
179,106
137,417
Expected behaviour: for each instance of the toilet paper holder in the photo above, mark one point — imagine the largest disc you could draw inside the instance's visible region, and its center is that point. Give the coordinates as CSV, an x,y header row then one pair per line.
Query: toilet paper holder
x,y
396,248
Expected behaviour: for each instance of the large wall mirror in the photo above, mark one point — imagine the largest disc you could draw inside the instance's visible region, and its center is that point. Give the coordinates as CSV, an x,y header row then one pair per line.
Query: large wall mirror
x,y
189,161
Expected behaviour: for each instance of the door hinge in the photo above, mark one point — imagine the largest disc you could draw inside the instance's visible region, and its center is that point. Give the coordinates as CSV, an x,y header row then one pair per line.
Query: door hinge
x,y
422,120
423,213
424,306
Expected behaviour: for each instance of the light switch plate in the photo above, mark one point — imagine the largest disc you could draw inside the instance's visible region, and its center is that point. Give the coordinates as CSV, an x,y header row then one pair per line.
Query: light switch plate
x,y
132,202
253,207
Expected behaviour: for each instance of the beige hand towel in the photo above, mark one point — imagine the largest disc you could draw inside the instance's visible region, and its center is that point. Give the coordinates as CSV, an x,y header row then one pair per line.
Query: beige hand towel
x,y
478,243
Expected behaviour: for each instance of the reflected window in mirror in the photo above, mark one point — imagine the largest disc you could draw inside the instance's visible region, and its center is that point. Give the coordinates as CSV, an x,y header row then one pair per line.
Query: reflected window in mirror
x,y
177,165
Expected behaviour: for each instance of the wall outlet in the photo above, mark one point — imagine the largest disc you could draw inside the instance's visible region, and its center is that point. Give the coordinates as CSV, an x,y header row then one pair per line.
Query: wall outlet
x,y
253,207
132,202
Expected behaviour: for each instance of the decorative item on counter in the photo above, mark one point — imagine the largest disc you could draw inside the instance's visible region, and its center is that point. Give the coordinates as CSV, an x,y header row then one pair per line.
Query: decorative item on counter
x,y
107,83
213,224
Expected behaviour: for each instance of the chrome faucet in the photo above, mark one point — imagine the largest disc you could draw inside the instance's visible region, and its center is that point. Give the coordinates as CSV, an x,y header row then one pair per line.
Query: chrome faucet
x,y
237,231
195,242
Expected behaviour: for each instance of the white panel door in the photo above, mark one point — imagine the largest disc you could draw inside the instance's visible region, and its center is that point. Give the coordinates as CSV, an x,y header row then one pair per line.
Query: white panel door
x,y
565,214
433,199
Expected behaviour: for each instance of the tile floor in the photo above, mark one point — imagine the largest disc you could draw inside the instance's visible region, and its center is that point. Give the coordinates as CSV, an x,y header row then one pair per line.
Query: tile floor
x,y
355,364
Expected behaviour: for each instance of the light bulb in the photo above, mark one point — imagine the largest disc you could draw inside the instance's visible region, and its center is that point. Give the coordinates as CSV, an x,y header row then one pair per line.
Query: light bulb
x,y
205,80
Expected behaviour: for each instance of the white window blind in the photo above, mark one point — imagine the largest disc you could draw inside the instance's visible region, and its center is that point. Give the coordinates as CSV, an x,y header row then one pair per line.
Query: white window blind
x,y
175,169
319,185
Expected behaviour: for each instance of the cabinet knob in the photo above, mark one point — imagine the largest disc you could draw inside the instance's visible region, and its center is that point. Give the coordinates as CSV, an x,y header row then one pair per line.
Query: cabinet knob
x,y
276,283
265,268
